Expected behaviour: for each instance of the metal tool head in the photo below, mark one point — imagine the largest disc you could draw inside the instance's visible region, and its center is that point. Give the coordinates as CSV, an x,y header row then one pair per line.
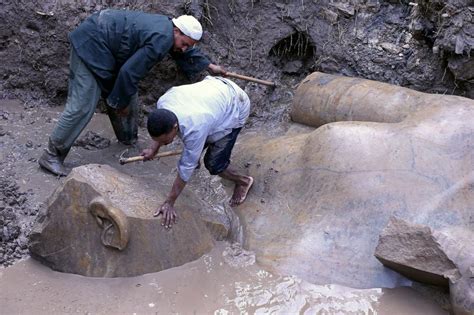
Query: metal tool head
x,y
122,157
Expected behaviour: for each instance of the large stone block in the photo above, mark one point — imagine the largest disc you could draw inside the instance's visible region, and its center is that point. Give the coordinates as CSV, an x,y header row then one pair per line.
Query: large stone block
x,y
434,257
324,98
412,250
99,223
324,192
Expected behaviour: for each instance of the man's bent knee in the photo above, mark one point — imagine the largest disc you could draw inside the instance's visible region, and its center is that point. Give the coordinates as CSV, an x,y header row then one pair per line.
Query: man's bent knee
x,y
215,167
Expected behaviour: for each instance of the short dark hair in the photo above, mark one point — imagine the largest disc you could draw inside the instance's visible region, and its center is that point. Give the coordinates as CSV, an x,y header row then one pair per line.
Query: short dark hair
x,y
160,122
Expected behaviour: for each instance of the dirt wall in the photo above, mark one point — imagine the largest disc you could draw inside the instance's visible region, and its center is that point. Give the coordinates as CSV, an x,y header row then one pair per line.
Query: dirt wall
x,y
421,44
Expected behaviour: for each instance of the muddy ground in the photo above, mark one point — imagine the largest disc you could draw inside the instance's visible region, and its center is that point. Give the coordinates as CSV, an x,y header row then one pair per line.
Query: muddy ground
x,y
217,283
424,45
235,286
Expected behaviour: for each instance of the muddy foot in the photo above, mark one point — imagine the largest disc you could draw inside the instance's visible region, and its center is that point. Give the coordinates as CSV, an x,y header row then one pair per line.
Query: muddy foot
x,y
240,192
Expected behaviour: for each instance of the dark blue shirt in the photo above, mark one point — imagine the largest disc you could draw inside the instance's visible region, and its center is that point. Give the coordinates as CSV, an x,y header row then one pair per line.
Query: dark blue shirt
x,y
120,47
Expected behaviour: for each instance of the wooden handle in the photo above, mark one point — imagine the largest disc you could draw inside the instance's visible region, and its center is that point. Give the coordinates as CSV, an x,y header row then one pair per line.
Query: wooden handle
x,y
123,161
169,153
243,77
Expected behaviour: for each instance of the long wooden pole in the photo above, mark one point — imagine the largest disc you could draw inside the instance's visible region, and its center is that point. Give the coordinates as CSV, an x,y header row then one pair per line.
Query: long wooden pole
x,y
244,77
123,161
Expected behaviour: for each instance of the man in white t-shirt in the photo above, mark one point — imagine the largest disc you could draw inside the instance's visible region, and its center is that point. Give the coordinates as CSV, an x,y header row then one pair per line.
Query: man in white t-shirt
x,y
207,115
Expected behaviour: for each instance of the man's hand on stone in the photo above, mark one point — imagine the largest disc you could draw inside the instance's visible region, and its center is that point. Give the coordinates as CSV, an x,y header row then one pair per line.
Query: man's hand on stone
x,y
169,215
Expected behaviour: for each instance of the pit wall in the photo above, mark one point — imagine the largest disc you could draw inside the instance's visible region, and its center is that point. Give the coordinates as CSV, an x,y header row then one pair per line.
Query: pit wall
x,y
424,46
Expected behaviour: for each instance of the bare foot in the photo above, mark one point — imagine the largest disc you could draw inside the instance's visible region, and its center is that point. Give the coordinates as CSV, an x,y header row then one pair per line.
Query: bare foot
x,y
240,192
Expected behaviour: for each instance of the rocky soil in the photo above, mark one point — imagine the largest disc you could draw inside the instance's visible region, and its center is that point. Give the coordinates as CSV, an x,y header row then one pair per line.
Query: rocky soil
x,y
424,45
13,211
18,205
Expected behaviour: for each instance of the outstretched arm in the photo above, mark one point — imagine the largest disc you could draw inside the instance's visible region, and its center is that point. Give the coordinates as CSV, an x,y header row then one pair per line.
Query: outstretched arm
x,y
193,146
193,61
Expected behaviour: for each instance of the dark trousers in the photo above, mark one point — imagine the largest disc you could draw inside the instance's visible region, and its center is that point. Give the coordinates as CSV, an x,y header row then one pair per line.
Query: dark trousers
x,y
83,95
217,157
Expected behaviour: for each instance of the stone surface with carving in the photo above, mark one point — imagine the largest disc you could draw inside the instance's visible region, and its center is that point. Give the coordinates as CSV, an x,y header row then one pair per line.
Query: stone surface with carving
x,y
323,193
100,223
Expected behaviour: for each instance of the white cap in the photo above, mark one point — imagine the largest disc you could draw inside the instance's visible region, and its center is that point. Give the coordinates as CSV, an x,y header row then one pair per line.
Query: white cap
x,y
189,26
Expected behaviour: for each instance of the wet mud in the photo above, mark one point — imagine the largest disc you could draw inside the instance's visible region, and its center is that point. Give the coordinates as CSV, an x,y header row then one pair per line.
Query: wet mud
x,y
217,283
92,141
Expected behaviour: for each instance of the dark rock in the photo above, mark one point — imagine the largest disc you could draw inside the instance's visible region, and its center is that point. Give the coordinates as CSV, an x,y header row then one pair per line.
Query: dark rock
x,y
346,8
293,67
6,234
93,141
462,67
372,5
392,48
14,231
330,16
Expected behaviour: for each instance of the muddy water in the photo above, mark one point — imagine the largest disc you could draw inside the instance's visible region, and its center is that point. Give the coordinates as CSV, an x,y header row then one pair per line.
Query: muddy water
x,y
218,283
225,281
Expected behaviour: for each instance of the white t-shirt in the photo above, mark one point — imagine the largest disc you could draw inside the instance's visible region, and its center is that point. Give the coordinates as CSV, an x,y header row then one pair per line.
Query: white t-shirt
x,y
206,111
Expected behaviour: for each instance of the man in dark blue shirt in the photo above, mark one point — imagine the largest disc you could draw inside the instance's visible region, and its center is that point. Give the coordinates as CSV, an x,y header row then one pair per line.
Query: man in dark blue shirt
x,y
111,52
